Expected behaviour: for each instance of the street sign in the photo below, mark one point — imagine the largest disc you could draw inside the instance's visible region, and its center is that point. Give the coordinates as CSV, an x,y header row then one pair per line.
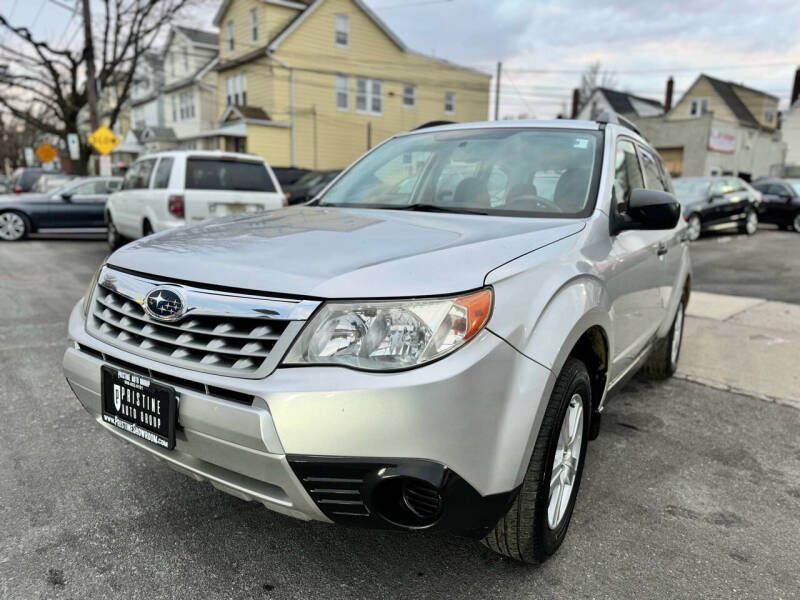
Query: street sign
x,y
74,146
104,140
46,152
29,156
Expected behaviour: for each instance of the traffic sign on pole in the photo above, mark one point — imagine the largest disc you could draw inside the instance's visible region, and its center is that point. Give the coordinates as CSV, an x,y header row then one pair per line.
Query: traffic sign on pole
x,y
104,140
46,152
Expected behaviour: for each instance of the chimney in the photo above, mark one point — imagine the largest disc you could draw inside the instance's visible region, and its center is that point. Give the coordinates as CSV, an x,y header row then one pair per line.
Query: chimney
x,y
795,87
576,99
668,99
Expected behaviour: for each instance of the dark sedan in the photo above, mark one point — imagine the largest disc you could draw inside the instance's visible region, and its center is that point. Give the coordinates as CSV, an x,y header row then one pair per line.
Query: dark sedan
x,y
80,204
711,203
781,201
308,186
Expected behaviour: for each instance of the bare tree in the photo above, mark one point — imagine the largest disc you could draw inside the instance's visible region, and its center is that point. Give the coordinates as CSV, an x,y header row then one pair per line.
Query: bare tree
x,y
594,77
14,138
45,86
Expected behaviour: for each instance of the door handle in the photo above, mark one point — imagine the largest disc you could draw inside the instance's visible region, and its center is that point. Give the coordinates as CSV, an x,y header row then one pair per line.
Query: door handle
x,y
662,249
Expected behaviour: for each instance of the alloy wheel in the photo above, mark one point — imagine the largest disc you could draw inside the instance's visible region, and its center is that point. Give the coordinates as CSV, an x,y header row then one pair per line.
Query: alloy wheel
x,y
751,223
565,462
693,230
12,226
796,223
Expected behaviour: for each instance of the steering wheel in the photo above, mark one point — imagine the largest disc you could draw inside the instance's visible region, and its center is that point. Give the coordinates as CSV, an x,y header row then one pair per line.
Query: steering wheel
x,y
524,201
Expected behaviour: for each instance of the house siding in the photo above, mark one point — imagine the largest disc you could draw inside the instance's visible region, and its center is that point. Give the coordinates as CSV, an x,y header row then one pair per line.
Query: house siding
x,y
702,88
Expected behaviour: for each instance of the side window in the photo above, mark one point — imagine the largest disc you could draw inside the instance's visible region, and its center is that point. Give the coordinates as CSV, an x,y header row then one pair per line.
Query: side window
x,y
652,173
627,174
163,172
776,189
131,176
736,185
112,185
145,170
719,188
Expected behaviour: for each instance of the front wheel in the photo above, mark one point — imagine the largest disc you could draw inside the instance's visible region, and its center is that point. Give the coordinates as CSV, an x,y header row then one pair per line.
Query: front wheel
x,y
750,224
115,239
796,223
13,226
536,523
694,227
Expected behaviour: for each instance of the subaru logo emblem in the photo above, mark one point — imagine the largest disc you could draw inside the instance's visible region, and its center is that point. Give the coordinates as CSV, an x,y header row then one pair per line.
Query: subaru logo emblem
x,y
165,304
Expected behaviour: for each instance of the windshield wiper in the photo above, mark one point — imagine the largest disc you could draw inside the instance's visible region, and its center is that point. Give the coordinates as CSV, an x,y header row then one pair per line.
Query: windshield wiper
x,y
423,207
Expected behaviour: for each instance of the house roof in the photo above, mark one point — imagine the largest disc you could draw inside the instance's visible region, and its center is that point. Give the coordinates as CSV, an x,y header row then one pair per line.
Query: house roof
x,y
298,4
191,78
154,134
198,36
245,113
307,7
726,90
144,99
621,101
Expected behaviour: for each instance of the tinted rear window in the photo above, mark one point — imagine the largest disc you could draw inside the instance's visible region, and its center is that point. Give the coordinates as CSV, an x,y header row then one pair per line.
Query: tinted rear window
x,y
216,174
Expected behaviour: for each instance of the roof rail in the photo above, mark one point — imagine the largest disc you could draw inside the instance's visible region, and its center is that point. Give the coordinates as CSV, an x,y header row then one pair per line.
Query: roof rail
x,y
617,119
433,124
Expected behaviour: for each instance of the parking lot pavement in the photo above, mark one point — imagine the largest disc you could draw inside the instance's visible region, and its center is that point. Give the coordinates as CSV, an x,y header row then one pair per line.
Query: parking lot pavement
x,y
690,491
765,265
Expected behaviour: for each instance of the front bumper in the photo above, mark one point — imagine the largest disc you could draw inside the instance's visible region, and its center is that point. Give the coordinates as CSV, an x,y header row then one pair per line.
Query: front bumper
x,y
466,424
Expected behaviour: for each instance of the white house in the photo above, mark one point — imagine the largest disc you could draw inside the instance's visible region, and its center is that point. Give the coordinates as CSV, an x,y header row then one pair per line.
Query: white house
x,y
622,103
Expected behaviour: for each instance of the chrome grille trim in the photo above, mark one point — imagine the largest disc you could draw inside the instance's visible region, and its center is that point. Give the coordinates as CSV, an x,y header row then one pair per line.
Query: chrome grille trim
x,y
222,333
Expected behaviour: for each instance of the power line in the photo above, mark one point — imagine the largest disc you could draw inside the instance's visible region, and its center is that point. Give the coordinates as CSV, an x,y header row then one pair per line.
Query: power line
x,y
656,70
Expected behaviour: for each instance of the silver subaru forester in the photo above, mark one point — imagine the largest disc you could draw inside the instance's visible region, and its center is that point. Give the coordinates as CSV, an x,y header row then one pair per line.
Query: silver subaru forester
x,y
429,343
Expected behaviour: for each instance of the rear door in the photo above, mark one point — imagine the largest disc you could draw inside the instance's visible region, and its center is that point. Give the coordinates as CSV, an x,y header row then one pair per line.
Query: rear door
x,y
635,280
80,206
669,248
777,202
217,186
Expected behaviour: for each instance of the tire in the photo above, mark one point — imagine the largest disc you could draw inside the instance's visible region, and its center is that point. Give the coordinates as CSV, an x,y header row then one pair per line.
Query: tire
x,y
694,228
526,532
796,222
147,229
115,238
750,223
663,360
14,226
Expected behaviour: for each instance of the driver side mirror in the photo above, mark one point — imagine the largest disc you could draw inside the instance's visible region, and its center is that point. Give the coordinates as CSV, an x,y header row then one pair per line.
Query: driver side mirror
x,y
66,197
648,209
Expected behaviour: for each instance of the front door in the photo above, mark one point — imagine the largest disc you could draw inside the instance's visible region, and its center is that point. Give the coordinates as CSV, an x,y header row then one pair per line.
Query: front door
x,y
80,206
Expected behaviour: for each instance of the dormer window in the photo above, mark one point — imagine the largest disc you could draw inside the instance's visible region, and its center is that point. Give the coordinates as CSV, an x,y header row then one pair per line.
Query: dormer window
x,y
253,25
229,30
343,31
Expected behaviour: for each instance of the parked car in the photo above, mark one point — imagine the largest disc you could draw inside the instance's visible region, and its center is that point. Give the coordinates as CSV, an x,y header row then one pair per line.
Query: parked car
x,y
169,189
5,184
711,203
289,175
439,361
49,182
23,178
781,204
78,204
308,186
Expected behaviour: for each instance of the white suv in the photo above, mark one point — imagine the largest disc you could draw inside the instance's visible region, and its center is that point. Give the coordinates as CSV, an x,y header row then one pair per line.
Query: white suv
x,y
170,189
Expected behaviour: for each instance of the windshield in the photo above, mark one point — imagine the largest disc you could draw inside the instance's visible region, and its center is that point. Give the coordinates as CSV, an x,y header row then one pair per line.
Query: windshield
x,y
523,172
691,188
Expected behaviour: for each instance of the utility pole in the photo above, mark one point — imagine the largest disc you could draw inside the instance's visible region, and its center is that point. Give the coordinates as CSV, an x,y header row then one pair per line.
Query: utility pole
x,y
88,53
496,92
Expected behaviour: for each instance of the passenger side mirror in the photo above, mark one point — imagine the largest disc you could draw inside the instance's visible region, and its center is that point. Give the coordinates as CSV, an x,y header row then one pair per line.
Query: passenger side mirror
x,y
648,209
715,196
66,196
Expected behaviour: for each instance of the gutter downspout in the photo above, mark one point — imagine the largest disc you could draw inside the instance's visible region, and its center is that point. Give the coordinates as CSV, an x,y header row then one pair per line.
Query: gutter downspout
x,y
291,102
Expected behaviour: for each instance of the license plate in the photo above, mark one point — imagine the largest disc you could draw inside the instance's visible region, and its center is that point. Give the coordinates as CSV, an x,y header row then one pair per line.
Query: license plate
x,y
221,209
140,406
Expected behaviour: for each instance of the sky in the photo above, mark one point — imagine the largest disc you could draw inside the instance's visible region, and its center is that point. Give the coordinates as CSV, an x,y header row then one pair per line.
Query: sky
x,y
546,44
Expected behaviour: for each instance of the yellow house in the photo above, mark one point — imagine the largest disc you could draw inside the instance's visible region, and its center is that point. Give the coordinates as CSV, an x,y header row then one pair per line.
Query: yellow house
x,y
727,101
316,83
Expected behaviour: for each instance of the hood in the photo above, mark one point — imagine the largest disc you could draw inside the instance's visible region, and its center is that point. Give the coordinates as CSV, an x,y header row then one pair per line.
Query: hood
x,y
341,252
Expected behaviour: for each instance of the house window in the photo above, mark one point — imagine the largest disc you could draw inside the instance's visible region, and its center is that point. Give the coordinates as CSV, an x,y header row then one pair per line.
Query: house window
x,y
253,25
343,30
450,103
770,113
172,63
138,118
174,108
342,92
698,107
187,105
236,89
409,95
230,36
185,58
369,96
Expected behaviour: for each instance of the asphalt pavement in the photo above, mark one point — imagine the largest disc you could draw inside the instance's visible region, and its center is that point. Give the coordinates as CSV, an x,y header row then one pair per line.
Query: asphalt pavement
x,y
689,492
764,265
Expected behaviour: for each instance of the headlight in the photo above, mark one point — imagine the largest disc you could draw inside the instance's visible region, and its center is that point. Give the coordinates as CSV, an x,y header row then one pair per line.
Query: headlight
x,y
87,299
384,335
